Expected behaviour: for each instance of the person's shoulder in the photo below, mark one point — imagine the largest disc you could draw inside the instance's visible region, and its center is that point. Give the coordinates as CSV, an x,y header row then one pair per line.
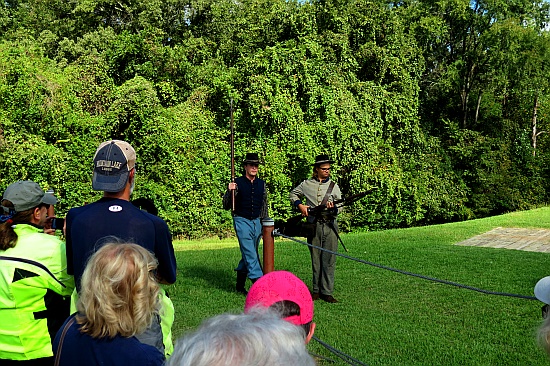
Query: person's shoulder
x,y
114,205
53,240
51,244
76,210
144,215
300,185
70,329
88,208
145,354
33,234
71,325
37,246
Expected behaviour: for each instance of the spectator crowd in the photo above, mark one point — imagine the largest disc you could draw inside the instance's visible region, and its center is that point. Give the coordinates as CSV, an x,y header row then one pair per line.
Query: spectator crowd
x,y
95,298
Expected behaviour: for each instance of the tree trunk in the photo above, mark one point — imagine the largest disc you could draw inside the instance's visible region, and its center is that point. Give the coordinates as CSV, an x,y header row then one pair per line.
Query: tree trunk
x,y
477,107
534,126
464,98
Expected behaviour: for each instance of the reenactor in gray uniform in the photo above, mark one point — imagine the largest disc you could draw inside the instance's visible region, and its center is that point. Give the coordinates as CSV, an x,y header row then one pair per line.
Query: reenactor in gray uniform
x,y
320,190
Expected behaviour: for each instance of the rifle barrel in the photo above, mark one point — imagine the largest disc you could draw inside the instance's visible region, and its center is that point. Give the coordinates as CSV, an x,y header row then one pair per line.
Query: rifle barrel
x,y
232,156
343,201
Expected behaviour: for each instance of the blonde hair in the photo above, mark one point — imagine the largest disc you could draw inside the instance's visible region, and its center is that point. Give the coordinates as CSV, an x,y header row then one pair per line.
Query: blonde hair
x,y
118,291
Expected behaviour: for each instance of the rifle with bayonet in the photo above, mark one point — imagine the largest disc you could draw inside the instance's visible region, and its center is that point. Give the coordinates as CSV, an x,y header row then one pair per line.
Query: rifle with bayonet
x,y
294,225
318,210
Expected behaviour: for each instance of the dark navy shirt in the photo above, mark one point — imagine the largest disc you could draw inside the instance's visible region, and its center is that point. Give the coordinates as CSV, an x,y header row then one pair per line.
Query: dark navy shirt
x,y
247,196
83,350
250,198
90,226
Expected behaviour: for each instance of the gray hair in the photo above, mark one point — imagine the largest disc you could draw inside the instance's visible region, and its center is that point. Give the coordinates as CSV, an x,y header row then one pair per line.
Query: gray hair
x,y
543,335
259,337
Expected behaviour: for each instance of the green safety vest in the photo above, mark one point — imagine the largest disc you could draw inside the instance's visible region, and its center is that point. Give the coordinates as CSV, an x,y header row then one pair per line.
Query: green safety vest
x,y
35,291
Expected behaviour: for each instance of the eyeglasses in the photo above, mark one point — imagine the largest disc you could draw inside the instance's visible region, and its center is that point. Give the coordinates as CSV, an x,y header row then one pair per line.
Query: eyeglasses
x,y
325,169
254,165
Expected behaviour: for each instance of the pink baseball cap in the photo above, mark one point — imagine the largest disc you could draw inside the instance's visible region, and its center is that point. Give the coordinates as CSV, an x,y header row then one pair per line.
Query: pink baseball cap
x,y
279,286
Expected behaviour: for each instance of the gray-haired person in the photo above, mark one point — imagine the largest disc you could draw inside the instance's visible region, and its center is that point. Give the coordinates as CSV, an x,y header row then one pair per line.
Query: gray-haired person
x,y
542,292
259,337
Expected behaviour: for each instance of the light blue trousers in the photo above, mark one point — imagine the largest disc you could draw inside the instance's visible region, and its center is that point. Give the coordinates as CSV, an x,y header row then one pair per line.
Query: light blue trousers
x,y
249,233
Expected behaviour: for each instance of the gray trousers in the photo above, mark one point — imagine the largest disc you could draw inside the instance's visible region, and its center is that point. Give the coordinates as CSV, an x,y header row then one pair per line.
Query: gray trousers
x,y
323,264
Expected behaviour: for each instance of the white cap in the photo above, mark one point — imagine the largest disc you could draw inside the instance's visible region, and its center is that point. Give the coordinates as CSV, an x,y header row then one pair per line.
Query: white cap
x,y
542,290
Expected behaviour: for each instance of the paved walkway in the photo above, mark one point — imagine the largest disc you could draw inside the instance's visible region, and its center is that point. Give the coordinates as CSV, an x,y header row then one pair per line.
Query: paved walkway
x,y
532,240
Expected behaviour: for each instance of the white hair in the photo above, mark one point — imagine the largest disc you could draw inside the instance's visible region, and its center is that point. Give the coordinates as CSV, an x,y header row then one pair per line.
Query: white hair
x,y
543,335
259,337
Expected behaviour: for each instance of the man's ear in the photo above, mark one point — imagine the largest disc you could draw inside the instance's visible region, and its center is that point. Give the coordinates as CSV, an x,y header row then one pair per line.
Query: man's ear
x,y
35,218
36,213
131,176
311,331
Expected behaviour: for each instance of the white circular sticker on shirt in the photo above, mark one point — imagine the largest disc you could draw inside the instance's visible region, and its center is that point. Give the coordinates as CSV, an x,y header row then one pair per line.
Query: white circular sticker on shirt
x,y
115,208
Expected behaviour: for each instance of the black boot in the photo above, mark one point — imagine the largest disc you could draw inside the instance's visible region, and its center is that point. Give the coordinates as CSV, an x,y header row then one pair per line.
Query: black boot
x,y
241,280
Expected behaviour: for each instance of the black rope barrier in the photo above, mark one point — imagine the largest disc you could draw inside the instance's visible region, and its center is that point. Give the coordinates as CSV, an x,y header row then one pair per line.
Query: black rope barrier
x,y
324,358
346,358
276,233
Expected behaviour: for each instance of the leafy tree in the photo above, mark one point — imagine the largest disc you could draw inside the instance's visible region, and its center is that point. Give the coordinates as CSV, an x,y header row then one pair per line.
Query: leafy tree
x,y
437,105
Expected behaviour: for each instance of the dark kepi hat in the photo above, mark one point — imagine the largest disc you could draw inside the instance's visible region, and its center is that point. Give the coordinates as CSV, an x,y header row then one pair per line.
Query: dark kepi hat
x,y
252,158
322,159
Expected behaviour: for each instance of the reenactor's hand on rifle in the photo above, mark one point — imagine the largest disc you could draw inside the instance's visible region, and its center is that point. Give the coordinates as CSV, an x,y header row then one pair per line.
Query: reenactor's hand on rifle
x,y
303,209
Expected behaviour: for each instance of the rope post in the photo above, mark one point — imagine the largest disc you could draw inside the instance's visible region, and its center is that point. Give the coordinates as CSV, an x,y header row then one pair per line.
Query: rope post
x,y
268,225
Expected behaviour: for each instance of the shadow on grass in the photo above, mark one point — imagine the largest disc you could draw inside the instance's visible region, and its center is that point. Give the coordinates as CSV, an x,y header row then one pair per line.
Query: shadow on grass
x,y
218,278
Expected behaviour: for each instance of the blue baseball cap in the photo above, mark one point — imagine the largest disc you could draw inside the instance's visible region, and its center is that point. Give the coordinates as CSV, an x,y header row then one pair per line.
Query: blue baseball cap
x,y
113,162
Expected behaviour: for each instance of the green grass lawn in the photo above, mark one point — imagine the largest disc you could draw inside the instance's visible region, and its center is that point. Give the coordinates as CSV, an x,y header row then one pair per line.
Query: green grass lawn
x,y
387,318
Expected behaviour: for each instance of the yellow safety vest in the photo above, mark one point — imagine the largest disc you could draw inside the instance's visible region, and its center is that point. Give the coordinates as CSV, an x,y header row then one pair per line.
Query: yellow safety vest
x,y
35,291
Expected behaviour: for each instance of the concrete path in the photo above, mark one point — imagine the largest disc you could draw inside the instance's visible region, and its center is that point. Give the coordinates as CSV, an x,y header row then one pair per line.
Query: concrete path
x,y
532,240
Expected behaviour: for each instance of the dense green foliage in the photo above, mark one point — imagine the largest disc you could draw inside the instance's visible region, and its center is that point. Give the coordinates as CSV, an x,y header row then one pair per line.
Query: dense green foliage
x,y
433,103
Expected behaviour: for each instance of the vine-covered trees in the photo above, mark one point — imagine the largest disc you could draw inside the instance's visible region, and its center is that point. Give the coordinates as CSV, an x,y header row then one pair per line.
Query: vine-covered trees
x,y
442,107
